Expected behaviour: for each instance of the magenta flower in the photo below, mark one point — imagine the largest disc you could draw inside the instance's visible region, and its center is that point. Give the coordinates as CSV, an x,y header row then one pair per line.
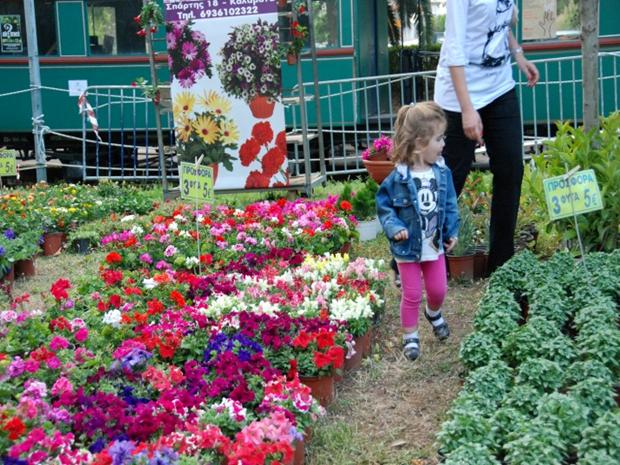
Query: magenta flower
x,y
58,343
81,335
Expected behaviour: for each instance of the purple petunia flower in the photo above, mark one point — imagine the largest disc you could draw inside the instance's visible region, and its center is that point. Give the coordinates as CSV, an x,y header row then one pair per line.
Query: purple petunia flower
x,y
10,234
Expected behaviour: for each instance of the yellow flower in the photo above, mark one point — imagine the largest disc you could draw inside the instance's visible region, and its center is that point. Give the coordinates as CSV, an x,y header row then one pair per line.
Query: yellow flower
x,y
184,129
206,128
215,103
184,103
229,134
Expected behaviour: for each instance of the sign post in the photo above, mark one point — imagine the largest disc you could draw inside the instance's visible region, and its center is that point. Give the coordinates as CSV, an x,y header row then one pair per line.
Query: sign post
x,y
572,194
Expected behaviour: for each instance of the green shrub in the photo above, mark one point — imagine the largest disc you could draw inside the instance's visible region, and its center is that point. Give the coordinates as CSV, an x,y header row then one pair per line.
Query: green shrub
x,y
597,457
471,454
464,428
601,314
478,349
596,394
514,275
523,398
529,340
505,421
598,150
542,374
585,369
549,301
603,435
602,344
565,414
534,443
492,381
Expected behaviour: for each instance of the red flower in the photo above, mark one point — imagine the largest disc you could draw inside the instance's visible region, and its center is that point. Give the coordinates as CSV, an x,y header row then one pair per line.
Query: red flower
x,y
115,300
256,179
137,19
262,132
15,427
111,277
249,151
206,258
178,299
336,354
141,33
113,257
272,161
322,360
324,339
292,371
302,340
346,205
59,289
281,141
155,307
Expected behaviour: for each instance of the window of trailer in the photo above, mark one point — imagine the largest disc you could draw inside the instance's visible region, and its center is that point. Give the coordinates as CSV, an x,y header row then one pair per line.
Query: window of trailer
x,y
13,36
111,28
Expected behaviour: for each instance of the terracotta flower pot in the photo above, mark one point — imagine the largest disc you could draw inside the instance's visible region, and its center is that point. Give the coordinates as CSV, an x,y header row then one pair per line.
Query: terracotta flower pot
x,y
345,248
262,107
461,267
378,170
291,59
299,453
52,242
353,363
322,387
24,268
363,343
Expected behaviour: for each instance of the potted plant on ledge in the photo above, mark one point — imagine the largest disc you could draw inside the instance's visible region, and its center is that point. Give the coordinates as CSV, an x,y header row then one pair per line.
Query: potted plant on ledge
x,y
461,258
364,208
377,158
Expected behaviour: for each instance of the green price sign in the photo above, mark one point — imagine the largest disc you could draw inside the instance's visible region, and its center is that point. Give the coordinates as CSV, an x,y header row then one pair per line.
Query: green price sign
x,y
8,165
574,195
196,182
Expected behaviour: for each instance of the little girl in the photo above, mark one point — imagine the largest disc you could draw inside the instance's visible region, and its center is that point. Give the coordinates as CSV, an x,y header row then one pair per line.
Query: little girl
x,y
417,208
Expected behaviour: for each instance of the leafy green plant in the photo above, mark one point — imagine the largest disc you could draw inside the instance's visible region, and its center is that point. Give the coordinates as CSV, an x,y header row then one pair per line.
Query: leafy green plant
x,y
601,313
492,381
603,435
584,369
497,327
602,343
464,428
363,202
529,341
523,398
549,301
471,454
598,150
505,421
535,443
596,394
465,244
542,374
597,457
515,274
565,414
478,349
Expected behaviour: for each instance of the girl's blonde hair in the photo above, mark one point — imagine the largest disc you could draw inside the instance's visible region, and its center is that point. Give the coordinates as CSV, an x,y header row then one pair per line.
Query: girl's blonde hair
x,y
419,121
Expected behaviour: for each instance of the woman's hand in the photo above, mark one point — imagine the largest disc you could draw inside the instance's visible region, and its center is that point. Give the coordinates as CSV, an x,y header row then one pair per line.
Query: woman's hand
x,y
472,125
450,244
529,69
401,235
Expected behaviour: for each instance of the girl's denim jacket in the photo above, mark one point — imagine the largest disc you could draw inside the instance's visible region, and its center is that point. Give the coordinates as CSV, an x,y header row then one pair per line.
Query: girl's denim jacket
x,y
397,208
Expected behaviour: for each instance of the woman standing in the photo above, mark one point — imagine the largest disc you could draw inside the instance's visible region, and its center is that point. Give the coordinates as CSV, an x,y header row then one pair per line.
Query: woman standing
x,y
475,88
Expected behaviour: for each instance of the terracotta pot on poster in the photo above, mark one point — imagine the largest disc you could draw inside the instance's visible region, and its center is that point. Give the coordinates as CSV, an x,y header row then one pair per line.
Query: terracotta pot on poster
x,y
322,387
461,267
291,59
52,243
24,268
262,107
378,169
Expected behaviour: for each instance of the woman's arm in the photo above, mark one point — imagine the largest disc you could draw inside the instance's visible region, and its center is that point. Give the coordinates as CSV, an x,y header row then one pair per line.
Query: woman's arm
x,y
528,68
472,124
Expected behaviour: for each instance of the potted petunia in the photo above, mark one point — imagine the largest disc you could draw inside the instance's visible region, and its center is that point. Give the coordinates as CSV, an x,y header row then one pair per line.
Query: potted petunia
x,y
377,158
299,33
250,67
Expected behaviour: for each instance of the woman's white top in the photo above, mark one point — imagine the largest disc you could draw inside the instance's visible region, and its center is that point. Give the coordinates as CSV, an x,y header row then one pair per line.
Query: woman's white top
x,y
476,38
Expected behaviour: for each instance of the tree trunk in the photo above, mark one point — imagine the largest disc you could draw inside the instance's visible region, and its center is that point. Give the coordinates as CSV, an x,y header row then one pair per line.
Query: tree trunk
x,y
589,56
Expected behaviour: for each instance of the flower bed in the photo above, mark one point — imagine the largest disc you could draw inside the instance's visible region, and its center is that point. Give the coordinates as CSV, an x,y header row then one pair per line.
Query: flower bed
x,y
149,362
543,363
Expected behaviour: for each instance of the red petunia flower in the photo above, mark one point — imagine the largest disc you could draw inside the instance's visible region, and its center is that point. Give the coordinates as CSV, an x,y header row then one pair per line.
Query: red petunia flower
x,y
324,339
346,206
302,340
113,257
15,427
262,132
249,151
322,360
177,298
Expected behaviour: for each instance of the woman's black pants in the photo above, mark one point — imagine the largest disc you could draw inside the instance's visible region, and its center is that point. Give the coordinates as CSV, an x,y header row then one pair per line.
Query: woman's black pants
x,y
502,136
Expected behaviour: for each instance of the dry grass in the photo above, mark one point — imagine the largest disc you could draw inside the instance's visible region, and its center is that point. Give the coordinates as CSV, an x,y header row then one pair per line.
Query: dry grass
x,y
389,411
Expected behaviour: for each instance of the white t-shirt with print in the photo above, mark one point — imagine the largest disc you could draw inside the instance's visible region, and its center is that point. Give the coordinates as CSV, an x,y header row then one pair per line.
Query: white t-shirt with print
x,y
476,38
428,200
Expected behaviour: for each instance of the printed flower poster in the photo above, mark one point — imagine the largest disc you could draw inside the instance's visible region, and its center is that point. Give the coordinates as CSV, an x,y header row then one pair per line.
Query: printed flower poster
x,y
226,87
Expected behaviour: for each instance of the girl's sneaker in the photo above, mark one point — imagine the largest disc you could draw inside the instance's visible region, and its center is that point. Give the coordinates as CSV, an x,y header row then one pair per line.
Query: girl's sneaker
x,y
411,348
440,327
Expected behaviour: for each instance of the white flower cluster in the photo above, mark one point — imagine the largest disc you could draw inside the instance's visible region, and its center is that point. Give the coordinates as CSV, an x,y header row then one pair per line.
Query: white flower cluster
x,y
349,309
113,318
221,304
